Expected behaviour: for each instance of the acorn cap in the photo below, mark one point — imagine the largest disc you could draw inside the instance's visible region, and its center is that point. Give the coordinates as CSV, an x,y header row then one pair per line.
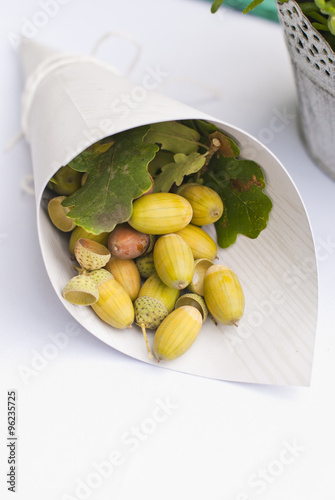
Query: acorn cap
x,y
149,312
145,265
90,254
81,290
100,276
80,232
194,300
197,282
58,214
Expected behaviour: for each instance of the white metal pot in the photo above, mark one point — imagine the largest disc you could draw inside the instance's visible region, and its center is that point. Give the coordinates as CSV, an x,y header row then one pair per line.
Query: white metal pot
x,y
313,63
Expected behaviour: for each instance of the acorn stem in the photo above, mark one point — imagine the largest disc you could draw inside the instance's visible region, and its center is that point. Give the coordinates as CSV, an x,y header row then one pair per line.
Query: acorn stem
x,y
146,340
80,270
213,148
213,319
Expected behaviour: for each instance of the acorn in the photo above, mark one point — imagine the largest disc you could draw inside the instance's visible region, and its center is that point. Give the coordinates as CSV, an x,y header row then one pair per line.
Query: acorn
x,y
197,282
65,181
201,244
126,273
206,203
173,261
80,232
81,290
154,302
177,333
114,305
145,265
125,242
160,213
90,254
58,214
163,295
223,294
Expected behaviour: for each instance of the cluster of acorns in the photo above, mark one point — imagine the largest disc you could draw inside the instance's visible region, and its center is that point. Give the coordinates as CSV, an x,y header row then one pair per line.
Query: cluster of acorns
x,y
158,270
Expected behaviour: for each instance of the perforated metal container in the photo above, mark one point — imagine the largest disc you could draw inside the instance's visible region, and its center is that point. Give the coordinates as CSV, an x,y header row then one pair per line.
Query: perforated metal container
x,y
313,63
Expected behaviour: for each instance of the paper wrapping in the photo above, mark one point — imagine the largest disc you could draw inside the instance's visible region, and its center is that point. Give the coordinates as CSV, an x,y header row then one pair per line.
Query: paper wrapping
x,y
69,102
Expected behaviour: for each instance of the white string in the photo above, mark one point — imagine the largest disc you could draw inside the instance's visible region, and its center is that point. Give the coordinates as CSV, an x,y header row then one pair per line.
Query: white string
x,y
125,36
27,184
13,142
214,91
53,63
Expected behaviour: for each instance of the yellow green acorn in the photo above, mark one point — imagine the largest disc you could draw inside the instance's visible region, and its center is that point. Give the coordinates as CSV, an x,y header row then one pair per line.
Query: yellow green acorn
x,y
223,294
126,273
173,261
201,244
154,302
206,204
160,213
114,305
177,333
65,181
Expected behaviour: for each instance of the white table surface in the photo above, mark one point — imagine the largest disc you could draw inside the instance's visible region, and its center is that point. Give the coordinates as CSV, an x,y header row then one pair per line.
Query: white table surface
x,y
82,406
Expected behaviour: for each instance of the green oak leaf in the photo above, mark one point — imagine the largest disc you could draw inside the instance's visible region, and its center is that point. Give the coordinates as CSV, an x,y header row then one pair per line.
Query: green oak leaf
x,y
204,128
173,173
115,178
174,137
83,161
162,158
240,184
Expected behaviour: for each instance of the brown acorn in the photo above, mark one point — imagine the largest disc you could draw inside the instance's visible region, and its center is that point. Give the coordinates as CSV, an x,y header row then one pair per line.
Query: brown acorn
x,y
125,242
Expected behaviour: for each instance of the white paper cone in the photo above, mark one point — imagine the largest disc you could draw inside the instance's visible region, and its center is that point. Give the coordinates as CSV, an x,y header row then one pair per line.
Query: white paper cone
x,y
72,101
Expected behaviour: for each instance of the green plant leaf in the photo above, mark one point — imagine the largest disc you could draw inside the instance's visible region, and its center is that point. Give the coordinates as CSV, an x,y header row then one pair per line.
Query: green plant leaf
x,y
215,5
161,159
252,6
204,128
115,178
173,173
240,184
174,137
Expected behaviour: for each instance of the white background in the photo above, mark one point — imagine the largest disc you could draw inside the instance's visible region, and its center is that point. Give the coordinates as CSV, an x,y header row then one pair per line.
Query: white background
x,y
82,406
